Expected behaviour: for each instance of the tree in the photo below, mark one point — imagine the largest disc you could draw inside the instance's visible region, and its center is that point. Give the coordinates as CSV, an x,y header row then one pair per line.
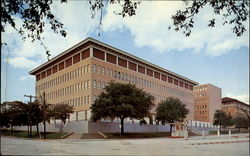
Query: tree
x,y
122,101
232,12
171,110
241,122
14,114
222,119
61,112
36,114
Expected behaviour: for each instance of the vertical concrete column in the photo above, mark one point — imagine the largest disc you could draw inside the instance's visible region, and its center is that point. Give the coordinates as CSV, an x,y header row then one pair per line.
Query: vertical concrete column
x,y
229,133
116,60
186,134
203,134
218,132
91,51
105,56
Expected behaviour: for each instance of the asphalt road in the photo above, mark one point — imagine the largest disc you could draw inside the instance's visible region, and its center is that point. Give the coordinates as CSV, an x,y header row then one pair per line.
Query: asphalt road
x,y
210,146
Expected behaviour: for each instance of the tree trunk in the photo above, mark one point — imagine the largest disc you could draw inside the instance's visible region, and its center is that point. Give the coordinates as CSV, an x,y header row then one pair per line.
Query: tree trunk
x,y
37,129
28,130
122,126
220,128
31,130
171,129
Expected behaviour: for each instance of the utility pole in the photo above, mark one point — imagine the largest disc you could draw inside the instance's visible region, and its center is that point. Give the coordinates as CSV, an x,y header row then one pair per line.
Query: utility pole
x,y
30,125
44,116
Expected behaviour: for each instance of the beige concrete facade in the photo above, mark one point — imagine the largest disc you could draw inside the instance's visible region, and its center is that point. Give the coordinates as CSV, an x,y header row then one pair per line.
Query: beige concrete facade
x,y
78,75
235,107
207,100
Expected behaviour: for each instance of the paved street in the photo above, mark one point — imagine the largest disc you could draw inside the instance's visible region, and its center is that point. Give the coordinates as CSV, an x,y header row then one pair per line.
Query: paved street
x,y
222,146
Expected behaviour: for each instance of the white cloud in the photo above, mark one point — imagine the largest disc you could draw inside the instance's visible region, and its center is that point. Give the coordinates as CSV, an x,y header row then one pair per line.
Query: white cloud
x,y
22,62
77,21
150,28
27,77
243,97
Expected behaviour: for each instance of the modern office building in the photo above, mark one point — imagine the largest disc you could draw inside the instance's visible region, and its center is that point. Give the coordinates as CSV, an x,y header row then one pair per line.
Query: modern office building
x,y
235,107
78,75
207,99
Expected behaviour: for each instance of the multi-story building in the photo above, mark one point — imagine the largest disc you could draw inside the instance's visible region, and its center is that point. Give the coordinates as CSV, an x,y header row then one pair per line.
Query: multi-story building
x,y
207,99
235,107
78,75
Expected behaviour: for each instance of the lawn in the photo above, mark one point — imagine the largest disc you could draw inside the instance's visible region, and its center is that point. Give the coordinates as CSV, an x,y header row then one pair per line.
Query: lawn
x,y
24,134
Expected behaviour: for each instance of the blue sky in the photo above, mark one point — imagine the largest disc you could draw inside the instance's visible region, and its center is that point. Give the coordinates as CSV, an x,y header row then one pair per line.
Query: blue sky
x,y
213,56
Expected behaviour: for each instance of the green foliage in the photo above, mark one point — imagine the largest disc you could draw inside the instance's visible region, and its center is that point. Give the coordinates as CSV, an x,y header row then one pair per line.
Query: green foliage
x,y
171,110
222,119
232,12
61,112
14,114
122,101
241,122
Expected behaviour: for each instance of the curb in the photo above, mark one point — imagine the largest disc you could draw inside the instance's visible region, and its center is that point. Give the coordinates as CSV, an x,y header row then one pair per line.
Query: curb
x,y
221,142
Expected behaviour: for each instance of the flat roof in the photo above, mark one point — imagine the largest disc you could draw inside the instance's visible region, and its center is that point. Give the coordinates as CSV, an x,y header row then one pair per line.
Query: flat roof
x,y
89,39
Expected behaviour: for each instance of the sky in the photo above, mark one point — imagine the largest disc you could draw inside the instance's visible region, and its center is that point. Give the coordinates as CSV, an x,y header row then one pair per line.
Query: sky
x,y
209,55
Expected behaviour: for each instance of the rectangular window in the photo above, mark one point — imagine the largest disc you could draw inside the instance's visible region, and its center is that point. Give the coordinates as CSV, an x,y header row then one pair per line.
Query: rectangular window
x,y
103,71
94,68
94,84
119,75
85,69
111,73
99,85
107,71
88,68
99,70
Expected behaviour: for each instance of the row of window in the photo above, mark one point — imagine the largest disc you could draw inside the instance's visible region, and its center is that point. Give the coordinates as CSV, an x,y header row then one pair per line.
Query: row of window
x,y
69,90
133,79
200,95
85,100
201,106
63,64
171,91
64,78
200,89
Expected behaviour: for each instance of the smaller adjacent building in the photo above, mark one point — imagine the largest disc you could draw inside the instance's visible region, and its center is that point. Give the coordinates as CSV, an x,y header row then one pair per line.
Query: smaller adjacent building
x,y
234,107
207,99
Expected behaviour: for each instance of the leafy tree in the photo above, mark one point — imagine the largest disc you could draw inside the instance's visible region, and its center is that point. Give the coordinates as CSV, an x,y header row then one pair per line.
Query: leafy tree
x,y
241,122
222,119
35,114
232,12
122,101
171,110
14,114
61,112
